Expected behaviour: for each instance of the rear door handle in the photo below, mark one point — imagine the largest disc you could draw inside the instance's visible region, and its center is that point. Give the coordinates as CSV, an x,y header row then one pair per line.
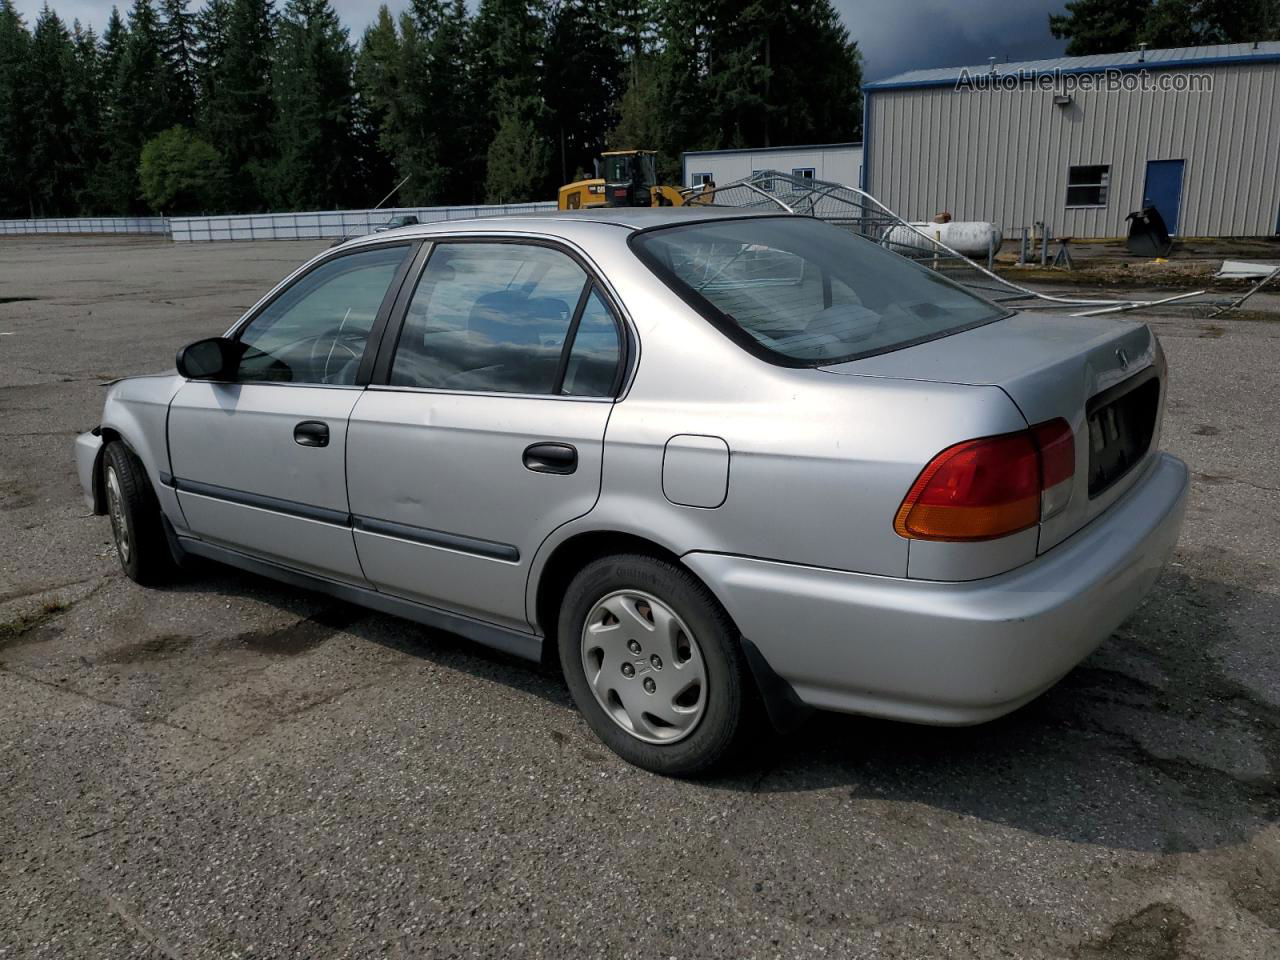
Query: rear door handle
x,y
311,433
558,458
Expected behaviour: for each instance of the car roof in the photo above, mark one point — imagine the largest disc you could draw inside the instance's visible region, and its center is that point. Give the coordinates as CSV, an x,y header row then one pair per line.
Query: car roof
x,y
628,218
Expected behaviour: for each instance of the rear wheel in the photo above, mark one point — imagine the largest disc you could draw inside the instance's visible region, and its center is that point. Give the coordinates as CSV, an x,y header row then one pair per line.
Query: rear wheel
x,y
136,526
653,662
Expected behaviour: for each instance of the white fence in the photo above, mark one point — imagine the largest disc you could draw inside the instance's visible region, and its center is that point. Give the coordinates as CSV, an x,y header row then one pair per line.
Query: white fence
x,y
329,223
153,225
265,226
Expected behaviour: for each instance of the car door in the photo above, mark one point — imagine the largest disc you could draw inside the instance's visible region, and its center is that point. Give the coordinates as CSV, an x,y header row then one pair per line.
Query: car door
x,y
484,427
258,460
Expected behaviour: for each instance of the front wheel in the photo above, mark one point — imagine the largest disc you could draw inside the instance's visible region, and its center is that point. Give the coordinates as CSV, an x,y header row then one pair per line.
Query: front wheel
x,y
654,665
136,527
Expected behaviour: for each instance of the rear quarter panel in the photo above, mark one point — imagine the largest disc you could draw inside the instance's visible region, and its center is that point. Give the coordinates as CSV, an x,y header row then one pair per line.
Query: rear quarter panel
x,y
818,462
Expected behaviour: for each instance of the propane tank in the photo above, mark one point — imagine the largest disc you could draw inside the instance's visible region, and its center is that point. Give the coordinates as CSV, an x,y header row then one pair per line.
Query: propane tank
x,y
970,237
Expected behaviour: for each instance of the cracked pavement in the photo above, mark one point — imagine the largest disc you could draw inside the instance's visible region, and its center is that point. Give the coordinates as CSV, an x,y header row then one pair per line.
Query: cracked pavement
x,y
231,768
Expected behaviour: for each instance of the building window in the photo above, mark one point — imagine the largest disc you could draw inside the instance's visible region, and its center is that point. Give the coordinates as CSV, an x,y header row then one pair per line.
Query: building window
x,y
1087,186
698,179
765,184
804,173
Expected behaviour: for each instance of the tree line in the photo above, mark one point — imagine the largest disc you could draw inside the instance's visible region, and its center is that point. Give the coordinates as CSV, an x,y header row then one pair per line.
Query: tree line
x,y
1114,26
243,106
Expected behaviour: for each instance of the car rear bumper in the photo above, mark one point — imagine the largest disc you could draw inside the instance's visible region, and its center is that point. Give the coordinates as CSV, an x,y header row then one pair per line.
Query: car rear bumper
x,y
953,653
88,448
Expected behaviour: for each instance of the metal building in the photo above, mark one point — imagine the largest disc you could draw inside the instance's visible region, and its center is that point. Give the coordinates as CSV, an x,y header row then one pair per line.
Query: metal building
x,y
1078,143
839,162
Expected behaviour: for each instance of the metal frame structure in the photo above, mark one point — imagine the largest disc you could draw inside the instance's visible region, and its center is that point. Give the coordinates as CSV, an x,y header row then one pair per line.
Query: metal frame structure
x,y
859,212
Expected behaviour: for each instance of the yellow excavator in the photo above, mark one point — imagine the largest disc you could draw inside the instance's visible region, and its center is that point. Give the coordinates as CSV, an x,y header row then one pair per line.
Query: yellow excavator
x,y
624,178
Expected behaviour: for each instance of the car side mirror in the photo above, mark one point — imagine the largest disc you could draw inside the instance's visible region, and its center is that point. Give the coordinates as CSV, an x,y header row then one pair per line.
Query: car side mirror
x,y
213,359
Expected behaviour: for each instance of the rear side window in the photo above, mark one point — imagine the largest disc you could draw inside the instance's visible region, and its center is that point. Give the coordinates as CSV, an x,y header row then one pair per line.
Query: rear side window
x,y
506,318
801,292
595,354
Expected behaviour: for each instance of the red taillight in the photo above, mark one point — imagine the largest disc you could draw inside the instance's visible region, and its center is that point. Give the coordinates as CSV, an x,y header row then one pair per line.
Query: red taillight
x,y
1057,451
988,488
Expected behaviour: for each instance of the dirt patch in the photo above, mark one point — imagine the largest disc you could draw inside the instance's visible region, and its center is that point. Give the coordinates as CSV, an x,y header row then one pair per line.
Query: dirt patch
x,y
153,648
1260,895
24,628
1157,932
14,495
300,637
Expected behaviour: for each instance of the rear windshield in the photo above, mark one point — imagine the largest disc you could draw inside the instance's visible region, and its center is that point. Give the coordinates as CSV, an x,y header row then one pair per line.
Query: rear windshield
x,y
801,292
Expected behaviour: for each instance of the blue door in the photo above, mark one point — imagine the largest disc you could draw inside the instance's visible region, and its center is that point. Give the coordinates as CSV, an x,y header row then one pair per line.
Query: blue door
x,y
1164,190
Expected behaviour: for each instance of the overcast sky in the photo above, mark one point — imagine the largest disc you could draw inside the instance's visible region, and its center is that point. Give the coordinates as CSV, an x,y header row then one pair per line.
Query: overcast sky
x,y
894,35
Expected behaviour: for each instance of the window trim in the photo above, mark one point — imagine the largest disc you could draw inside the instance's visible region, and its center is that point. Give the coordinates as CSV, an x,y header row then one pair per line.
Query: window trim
x,y
390,342
1102,185
380,320
733,332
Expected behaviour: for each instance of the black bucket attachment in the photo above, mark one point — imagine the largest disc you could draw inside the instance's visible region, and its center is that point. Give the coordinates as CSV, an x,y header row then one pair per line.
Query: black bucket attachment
x,y
1148,236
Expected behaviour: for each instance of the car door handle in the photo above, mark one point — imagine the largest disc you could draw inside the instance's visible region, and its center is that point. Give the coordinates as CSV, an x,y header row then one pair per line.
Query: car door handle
x,y
311,433
560,458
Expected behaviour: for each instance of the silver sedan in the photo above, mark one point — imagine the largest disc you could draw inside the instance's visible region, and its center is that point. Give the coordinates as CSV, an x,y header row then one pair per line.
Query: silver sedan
x,y
709,465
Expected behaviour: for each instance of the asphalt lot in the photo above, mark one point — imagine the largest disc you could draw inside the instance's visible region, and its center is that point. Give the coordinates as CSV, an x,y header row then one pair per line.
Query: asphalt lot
x,y
228,768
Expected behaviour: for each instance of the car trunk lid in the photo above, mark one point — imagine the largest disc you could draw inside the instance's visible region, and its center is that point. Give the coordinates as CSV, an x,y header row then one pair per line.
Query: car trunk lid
x,y
1103,376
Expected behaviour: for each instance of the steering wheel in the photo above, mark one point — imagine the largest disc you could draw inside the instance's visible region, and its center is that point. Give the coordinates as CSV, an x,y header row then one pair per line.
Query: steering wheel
x,y
348,348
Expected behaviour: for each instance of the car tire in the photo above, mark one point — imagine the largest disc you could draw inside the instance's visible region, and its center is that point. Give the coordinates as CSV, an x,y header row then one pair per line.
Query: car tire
x,y
662,681
136,526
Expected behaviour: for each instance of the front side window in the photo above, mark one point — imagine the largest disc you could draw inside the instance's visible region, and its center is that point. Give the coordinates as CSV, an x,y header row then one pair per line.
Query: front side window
x,y
1087,186
801,292
499,318
316,330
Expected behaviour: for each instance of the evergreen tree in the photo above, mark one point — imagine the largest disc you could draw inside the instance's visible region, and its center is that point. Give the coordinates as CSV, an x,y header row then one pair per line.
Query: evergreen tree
x,y
85,99
114,36
506,105
518,160
238,114
584,78
313,90
140,108
209,45
15,119
1177,23
1113,26
1100,26
814,92
417,84
178,48
509,49
642,118
52,170
377,76
452,120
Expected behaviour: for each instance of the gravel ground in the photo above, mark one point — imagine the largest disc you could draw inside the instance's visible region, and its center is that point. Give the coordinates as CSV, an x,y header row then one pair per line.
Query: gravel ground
x,y
228,768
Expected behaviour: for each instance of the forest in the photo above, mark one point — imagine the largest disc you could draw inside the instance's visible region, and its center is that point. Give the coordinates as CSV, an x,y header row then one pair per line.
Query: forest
x,y
243,105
